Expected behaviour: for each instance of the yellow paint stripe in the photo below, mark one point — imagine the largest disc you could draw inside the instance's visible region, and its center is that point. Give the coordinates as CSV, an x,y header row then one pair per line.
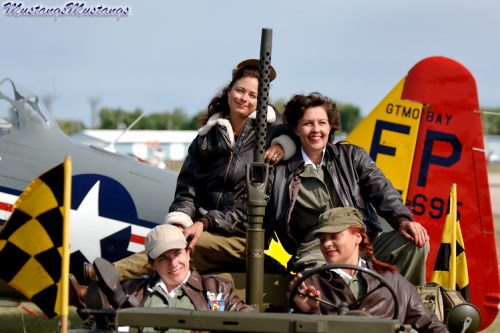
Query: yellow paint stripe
x,y
387,119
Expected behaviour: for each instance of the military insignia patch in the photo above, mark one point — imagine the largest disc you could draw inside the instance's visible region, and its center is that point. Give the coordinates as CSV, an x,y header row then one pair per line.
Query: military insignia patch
x,y
215,302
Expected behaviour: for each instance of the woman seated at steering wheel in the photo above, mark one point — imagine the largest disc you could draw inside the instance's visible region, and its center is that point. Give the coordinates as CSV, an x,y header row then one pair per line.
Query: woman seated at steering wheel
x,y
343,240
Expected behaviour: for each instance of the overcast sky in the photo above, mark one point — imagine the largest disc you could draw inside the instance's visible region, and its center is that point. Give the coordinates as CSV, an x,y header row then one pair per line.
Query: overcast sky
x,y
167,54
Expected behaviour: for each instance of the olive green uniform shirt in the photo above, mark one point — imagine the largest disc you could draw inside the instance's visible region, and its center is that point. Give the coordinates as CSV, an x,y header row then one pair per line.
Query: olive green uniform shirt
x,y
159,298
316,195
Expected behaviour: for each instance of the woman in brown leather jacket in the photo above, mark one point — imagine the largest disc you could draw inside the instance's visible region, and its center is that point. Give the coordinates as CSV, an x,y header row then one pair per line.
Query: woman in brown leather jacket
x,y
174,283
343,240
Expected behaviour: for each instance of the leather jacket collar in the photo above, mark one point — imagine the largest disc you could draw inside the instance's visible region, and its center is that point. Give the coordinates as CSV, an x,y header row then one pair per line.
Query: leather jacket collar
x,y
218,119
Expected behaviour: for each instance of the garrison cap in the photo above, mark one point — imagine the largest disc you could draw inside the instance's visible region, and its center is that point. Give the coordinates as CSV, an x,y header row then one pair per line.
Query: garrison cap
x,y
338,219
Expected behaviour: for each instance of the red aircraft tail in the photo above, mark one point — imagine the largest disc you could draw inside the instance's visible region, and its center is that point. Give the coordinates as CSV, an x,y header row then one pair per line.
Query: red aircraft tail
x,y
430,124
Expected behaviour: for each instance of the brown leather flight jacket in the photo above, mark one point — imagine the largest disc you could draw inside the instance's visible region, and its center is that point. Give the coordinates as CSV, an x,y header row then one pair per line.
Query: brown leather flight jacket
x,y
196,288
380,303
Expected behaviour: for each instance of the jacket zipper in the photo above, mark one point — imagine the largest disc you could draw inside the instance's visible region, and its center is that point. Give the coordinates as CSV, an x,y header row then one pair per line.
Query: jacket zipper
x,y
226,173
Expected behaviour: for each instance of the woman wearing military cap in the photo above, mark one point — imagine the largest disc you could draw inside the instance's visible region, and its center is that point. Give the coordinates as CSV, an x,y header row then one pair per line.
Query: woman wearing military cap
x,y
343,240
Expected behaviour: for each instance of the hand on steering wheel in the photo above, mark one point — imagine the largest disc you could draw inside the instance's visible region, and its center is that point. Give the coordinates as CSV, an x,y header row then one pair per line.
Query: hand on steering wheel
x,y
344,308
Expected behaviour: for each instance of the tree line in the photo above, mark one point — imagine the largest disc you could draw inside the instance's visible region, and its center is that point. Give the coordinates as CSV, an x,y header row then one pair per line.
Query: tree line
x,y
178,119
491,121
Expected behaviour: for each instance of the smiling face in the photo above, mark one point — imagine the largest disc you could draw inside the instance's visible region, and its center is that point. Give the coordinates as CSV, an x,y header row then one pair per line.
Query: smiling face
x,y
172,266
313,130
242,98
341,247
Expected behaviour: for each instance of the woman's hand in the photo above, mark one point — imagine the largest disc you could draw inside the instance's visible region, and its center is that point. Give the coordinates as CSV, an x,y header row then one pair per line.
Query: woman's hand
x,y
194,232
415,232
303,302
274,154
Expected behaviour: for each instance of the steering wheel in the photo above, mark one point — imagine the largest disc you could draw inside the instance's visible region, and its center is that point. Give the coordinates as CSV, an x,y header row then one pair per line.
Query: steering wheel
x,y
343,308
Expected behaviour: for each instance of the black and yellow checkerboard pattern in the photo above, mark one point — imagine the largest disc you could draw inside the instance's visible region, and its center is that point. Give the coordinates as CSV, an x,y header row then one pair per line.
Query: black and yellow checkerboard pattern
x,y
31,242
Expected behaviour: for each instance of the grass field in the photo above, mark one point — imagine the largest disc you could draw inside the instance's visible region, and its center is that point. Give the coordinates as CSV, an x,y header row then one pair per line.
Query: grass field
x,y
17,320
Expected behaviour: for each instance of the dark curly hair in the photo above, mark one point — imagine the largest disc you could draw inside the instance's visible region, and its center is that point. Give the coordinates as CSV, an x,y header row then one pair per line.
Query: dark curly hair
x,y
219,103
298,104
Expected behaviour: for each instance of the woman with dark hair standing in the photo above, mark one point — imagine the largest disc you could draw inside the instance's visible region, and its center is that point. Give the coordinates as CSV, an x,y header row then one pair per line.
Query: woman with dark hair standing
x,y
324,175
209,203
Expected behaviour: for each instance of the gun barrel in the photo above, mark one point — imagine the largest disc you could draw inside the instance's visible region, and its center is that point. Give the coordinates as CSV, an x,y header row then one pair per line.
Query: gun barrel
x,y
263,93
257,180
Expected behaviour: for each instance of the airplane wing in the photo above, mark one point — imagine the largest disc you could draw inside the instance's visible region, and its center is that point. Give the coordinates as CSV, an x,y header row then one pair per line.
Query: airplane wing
x,y
116,199
426,135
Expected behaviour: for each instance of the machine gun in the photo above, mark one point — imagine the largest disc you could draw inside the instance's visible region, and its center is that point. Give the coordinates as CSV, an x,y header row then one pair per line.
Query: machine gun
x,y
257,181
